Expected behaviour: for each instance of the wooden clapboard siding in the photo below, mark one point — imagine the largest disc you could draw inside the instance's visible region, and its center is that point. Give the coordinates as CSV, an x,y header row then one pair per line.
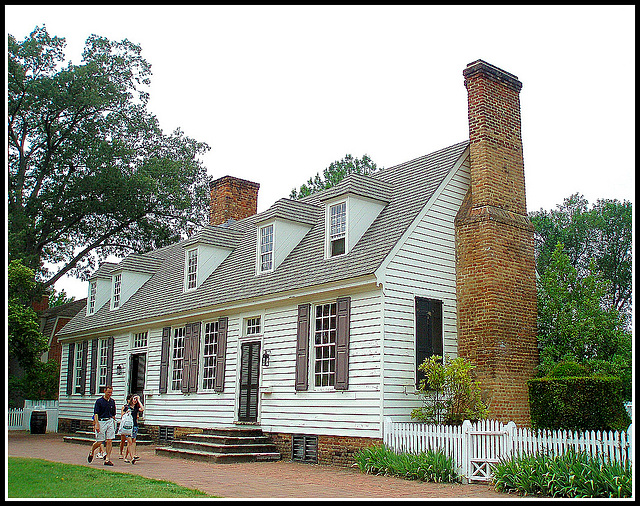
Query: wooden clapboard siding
x,y
424,266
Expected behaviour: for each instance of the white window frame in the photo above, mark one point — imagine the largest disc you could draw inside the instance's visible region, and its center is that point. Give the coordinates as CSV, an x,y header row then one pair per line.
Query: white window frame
x,y
253,326
116,290
177,357
331,234
77,369
139,340
93,287
103,364
263,252
328,329
191,269
209,354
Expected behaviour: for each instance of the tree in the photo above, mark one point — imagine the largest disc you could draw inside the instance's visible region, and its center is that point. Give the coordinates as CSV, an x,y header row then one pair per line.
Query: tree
x,y
602,233
335,173
449,391
90,171
59,298
574,324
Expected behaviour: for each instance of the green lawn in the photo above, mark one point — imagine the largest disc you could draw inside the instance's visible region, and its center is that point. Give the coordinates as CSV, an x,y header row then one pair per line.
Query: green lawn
x,y
41,478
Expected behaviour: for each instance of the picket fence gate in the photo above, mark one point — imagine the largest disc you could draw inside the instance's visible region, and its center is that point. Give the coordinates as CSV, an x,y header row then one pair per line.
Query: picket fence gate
x,y
476,447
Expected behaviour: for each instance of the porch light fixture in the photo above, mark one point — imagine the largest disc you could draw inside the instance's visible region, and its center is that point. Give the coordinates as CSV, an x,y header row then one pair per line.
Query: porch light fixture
x,y
265,358
119,370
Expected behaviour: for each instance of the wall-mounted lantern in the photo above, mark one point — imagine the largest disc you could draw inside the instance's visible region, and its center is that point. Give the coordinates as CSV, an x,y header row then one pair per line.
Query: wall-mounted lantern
x,y
265,358
119,370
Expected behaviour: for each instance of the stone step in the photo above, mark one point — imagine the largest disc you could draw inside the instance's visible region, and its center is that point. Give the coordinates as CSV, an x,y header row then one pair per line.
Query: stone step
x,y
228,440
82,439
234,432
221,458
223,448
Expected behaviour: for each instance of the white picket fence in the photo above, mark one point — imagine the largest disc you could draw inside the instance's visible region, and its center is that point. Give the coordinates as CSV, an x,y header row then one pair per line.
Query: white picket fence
x,y
476,447
20,418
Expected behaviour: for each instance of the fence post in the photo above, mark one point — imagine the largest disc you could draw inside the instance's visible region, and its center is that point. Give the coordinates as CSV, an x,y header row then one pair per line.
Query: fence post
x,y
630,442
466,451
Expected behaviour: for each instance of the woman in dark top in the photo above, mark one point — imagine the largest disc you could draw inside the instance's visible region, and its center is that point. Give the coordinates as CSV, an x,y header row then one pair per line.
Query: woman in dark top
x,y
135,406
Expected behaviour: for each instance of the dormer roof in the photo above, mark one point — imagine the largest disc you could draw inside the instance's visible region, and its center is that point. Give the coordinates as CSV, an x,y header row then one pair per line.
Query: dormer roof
x,y
291,210
359,184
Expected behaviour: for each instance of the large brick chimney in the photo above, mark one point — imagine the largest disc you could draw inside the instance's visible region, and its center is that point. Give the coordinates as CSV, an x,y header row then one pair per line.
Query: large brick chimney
x,y
232,198
495,265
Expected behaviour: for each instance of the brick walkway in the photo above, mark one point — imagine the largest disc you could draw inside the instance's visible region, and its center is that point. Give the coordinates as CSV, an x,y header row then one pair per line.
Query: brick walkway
x,y
282,479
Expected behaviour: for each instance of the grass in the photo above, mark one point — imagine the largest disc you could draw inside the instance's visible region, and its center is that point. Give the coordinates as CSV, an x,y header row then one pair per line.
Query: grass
x,y
40,478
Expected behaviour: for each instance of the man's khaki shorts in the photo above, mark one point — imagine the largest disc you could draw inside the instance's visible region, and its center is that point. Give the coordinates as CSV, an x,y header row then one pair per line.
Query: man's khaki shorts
x,y
107,430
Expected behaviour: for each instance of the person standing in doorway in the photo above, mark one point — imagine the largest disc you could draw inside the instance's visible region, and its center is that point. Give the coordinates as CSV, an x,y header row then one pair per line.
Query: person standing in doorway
x,y
104,423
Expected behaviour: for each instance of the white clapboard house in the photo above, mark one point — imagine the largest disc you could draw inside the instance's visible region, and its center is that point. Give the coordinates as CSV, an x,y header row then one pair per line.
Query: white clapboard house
x,y
309,318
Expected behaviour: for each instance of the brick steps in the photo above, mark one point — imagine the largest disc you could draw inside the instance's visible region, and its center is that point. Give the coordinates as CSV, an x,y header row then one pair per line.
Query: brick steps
x,y
83,436
223,446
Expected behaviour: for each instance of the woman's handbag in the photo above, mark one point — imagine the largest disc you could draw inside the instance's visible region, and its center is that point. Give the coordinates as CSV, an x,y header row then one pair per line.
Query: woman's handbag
x,y
126,424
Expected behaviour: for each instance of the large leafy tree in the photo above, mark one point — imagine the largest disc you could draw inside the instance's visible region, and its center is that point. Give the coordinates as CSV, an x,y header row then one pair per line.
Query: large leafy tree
x,y
90,171
335,173
601,233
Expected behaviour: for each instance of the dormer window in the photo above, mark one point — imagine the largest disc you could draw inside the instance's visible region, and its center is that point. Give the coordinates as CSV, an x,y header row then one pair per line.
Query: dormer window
x,y
92,297
192,269
265,260
117,282
338,227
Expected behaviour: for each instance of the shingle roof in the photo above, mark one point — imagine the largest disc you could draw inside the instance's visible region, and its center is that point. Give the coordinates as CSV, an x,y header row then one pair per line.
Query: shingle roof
x,y
68,310
407,187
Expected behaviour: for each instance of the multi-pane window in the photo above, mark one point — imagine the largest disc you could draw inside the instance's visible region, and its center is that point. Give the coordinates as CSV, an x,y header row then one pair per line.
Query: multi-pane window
x,y
92,297
117,281
337,228
210,351
102,364
177,358
266,248
253,326
325,345
140,340
78,369
192,269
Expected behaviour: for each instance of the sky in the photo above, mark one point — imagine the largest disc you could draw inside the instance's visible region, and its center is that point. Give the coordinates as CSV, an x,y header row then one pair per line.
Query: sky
x,y
280,92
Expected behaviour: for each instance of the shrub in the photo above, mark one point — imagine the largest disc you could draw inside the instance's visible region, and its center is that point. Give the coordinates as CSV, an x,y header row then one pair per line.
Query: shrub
x,y
569,403
574,474
432,465
568,369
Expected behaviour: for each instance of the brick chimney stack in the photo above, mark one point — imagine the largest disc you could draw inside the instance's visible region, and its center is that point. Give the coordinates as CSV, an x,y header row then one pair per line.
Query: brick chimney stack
x,y
232,198
495,265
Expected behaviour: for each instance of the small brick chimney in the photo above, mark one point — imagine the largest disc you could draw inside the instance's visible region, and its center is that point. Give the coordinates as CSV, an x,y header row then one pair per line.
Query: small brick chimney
x,y
495,265
232,198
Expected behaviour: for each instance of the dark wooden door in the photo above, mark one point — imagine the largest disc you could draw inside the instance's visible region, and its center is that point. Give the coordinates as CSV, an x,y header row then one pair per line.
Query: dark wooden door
x,y
249,382
137,373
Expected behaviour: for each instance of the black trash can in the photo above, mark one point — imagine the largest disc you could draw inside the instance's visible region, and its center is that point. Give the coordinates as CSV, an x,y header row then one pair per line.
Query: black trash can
x,y
38,422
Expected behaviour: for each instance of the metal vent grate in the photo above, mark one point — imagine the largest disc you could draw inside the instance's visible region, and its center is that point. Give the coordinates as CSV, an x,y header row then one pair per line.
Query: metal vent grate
x,y
165,434
304,448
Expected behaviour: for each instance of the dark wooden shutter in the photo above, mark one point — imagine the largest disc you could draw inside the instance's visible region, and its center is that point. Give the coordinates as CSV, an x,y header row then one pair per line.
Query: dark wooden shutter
x,y
164,359
342,343
70,364
221,356
190,362
428,332
110,344
302,348
94,366
85,356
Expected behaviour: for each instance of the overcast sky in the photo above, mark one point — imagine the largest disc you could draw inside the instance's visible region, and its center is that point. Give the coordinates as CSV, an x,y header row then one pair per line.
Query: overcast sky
x,y
279,92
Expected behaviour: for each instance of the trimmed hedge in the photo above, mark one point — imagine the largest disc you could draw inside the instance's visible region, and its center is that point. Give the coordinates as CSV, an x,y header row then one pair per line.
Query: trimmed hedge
x,y
577,403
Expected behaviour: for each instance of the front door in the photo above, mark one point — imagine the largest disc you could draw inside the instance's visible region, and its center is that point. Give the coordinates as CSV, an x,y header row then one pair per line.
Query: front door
x,y
137,366
249,382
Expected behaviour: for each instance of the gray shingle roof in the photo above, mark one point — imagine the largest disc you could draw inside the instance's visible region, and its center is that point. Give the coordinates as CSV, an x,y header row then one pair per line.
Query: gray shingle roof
x,y
407,187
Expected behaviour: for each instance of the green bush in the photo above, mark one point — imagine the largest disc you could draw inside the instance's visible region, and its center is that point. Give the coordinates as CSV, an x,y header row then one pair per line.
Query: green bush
x,y
577,403
431,465
568,369
574,474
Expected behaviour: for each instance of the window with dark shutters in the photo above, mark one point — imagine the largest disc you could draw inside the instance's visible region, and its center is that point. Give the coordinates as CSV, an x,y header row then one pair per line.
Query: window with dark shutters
x,y
342,343
221,357
70,366
302,348
191,353
110,345
85,357
94,366
428,331
164,359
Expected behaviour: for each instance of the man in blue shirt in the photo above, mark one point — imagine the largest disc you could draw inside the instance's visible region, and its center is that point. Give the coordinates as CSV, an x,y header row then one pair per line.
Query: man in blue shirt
x,y
104,423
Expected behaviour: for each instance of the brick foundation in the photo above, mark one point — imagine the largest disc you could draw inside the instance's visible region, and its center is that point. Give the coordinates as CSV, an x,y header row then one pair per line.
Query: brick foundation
x,y
495,264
